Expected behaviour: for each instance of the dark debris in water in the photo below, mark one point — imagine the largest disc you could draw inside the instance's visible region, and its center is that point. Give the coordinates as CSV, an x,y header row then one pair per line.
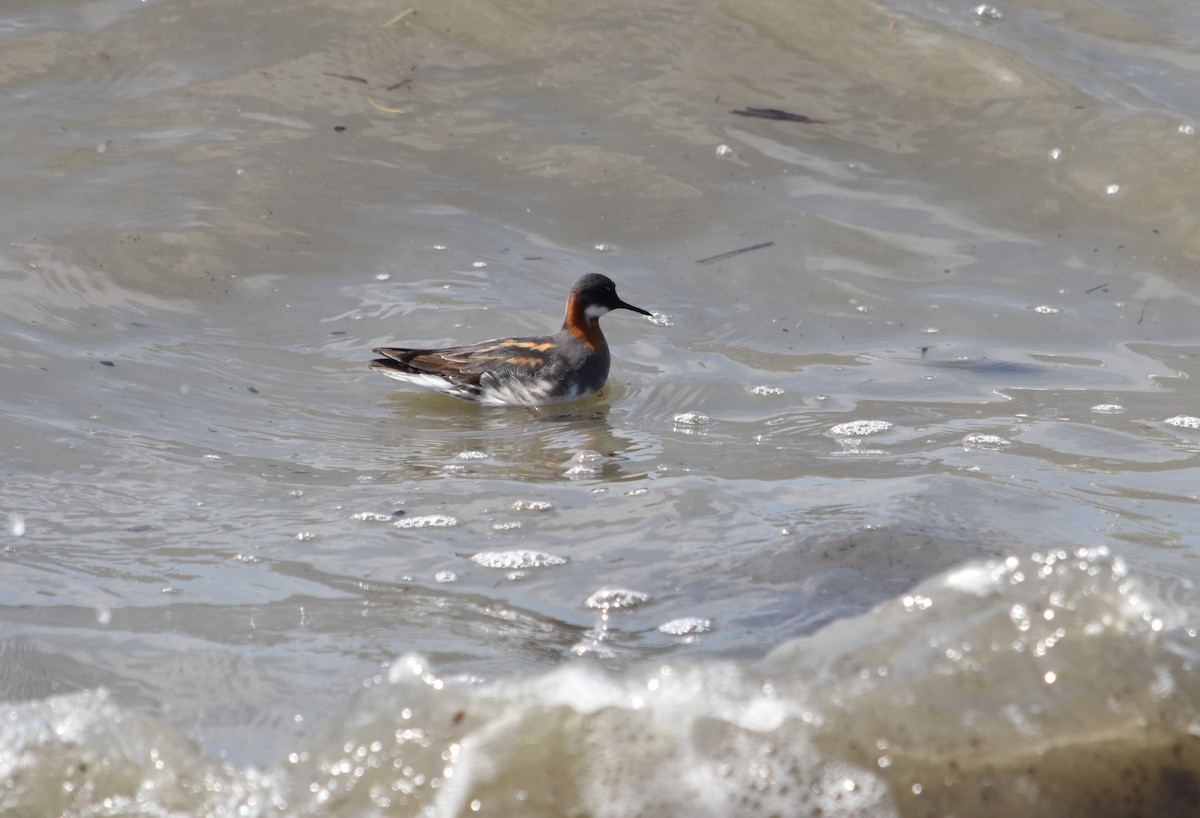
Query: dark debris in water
x,y
732,253
777,115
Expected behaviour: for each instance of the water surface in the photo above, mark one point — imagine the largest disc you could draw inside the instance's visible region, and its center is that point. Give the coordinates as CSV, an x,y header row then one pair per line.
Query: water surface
x,y
892,515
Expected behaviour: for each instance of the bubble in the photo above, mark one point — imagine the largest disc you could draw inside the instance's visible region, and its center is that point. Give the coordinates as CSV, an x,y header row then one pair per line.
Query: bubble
x,y
532,505
858,428
612,598
517,559
479,264
586,463
603,247
445,576
1183,422
1187,129
686,626
661,319
691,420
372,517
767,390
1113,189
382,276
977,440
723,150
427,521
988,14
1108,409
1055,154
1045,310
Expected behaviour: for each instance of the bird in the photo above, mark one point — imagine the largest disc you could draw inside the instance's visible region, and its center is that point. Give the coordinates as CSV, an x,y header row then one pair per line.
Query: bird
x,y
566,366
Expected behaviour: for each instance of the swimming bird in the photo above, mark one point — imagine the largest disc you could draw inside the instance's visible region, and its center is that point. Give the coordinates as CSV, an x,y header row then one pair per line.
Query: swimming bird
x,y
568,365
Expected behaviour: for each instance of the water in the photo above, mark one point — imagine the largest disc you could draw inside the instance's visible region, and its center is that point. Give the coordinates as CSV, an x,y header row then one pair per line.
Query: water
x,y
893,514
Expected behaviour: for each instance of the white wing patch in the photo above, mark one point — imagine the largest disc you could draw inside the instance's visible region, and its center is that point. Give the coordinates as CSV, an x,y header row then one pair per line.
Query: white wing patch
x,y
512,392
493,391
435,382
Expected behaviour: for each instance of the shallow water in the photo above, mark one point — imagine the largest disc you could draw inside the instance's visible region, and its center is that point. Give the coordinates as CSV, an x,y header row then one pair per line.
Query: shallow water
x,y
895,515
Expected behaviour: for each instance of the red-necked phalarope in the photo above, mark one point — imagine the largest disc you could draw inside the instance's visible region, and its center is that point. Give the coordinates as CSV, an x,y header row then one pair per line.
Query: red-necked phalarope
x,y
571,364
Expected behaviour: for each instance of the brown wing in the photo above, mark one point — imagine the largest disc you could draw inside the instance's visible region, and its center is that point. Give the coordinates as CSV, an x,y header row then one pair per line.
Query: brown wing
x,y
465,364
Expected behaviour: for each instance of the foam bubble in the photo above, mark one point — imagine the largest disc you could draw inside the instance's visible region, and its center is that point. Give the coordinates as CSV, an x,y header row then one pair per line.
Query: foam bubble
x,y
859,428
611,598
426,521
516,559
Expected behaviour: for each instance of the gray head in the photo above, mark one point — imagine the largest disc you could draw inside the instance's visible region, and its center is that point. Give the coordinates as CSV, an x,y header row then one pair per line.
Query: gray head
x,y
596,295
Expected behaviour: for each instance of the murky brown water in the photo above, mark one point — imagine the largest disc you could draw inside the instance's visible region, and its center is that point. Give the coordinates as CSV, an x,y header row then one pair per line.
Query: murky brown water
x,y
763,573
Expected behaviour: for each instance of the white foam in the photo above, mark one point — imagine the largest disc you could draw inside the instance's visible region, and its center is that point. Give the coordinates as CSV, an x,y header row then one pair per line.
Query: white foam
x,y
517,558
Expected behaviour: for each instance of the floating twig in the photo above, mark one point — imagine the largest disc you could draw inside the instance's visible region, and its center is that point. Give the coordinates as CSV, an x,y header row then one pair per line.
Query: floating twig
x,y
777,115
1091,290
399,17
384,108
732,253
400,84
349,77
